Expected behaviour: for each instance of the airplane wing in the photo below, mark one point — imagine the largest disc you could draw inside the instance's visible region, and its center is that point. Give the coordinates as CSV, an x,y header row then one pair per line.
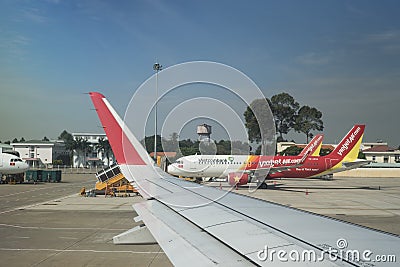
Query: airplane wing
x,y
202,226
349,165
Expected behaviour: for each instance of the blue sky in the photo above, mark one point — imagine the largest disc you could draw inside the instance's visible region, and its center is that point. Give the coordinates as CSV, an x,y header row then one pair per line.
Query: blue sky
x,y
342,57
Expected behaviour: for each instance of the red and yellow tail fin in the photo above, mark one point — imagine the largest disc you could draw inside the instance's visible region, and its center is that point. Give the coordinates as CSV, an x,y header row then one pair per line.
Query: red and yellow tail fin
x,y
348,149
314,147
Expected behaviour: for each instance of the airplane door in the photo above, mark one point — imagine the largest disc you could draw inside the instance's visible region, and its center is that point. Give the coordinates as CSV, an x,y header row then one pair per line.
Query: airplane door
x,y
328,163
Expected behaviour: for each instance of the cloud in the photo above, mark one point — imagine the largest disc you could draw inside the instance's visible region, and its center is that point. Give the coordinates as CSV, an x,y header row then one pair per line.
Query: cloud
x,y
34,15
386,36
314,59
13,44
54,1
387,42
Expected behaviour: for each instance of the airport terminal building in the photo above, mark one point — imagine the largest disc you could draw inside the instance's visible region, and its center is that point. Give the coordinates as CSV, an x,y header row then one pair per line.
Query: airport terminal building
x,y
38,153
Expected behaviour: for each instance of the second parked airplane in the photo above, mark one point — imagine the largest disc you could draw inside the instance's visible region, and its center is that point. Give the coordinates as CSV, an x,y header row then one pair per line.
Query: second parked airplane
x,y
238,168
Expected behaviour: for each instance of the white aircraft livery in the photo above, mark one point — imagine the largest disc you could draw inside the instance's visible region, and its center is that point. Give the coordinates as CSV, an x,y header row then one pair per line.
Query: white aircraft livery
x,y
11,164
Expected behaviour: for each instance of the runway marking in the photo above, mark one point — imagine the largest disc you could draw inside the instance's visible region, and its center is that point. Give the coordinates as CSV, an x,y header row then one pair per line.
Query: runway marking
x,y
60,228
42,188
82,250
36,204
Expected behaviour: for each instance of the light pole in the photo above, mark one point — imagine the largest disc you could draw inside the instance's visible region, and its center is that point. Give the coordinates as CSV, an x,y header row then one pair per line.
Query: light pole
x,y
157,67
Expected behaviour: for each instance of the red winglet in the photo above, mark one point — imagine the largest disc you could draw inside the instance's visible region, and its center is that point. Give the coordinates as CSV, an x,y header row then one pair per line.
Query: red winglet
x,y
124,151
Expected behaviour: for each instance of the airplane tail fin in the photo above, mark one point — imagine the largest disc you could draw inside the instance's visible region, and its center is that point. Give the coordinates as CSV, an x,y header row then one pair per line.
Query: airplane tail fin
x,y
127,149
347,150
314,147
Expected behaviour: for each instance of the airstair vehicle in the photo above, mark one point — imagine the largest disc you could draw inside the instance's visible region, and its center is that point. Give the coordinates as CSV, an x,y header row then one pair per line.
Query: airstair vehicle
x,y
111,181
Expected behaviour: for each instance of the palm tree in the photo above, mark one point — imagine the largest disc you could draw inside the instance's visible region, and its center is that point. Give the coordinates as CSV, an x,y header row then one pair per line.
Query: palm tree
x,y
69,145
82,146
104,147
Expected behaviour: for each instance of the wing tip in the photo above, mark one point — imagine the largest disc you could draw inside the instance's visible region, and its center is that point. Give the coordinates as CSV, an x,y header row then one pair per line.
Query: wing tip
x,y
96,95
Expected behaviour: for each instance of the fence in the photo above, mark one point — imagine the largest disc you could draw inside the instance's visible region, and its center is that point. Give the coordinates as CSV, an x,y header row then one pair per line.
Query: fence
x,y
71,169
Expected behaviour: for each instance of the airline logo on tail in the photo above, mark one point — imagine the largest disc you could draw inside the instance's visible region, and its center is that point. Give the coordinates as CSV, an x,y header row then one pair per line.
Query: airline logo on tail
x,y
347,144
314,147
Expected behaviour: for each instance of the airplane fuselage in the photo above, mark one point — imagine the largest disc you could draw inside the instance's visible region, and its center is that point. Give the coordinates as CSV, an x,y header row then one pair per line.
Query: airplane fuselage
x,y
279,166
11,164
222,165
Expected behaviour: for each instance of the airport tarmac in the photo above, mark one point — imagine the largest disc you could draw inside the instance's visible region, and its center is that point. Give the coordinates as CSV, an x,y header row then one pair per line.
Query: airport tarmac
x,y
50,225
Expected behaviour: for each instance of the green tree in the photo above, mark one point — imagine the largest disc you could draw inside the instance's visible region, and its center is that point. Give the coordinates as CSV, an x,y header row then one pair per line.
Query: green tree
x,y
308,119
258,150
172,144
189,147
291,151
15,140
186,151
148,143
284,108
104,147
45,139
260,125
82,146
69,144
224,147
325,151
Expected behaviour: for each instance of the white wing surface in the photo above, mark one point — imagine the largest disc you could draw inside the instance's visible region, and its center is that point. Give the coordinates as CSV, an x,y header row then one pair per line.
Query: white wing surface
x,y
203,226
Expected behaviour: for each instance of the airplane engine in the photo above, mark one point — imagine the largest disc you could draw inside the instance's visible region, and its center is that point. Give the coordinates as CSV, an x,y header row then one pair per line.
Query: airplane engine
x,y
238,178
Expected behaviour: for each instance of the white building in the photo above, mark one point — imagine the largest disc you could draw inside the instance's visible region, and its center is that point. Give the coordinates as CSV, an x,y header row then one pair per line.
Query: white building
x,y
5,147
38,153
382,153
91,155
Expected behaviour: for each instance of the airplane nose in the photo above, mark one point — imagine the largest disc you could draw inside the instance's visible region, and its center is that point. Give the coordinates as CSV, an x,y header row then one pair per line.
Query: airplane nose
x,y
172,169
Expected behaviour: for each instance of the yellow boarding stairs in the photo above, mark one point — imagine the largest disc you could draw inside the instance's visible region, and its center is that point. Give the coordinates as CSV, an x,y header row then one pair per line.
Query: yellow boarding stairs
x,y
112,180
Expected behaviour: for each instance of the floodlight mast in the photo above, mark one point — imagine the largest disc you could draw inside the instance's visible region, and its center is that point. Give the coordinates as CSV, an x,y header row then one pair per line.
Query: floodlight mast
x,y
157,67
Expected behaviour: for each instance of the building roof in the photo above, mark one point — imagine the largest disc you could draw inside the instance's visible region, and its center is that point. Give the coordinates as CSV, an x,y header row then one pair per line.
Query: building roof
x,y
2,145
30,142
380,148
88,134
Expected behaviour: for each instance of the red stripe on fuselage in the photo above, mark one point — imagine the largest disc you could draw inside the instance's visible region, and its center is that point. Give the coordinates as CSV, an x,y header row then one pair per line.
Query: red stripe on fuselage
x,y
124,151
312,165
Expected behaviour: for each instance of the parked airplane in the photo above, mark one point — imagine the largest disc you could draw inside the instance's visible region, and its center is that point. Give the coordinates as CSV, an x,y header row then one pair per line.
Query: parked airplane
x,y
197,225
11,164
241,168
237,168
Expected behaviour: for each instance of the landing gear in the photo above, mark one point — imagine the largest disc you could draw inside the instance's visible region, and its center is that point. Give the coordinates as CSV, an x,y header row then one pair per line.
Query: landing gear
x,y
262,185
